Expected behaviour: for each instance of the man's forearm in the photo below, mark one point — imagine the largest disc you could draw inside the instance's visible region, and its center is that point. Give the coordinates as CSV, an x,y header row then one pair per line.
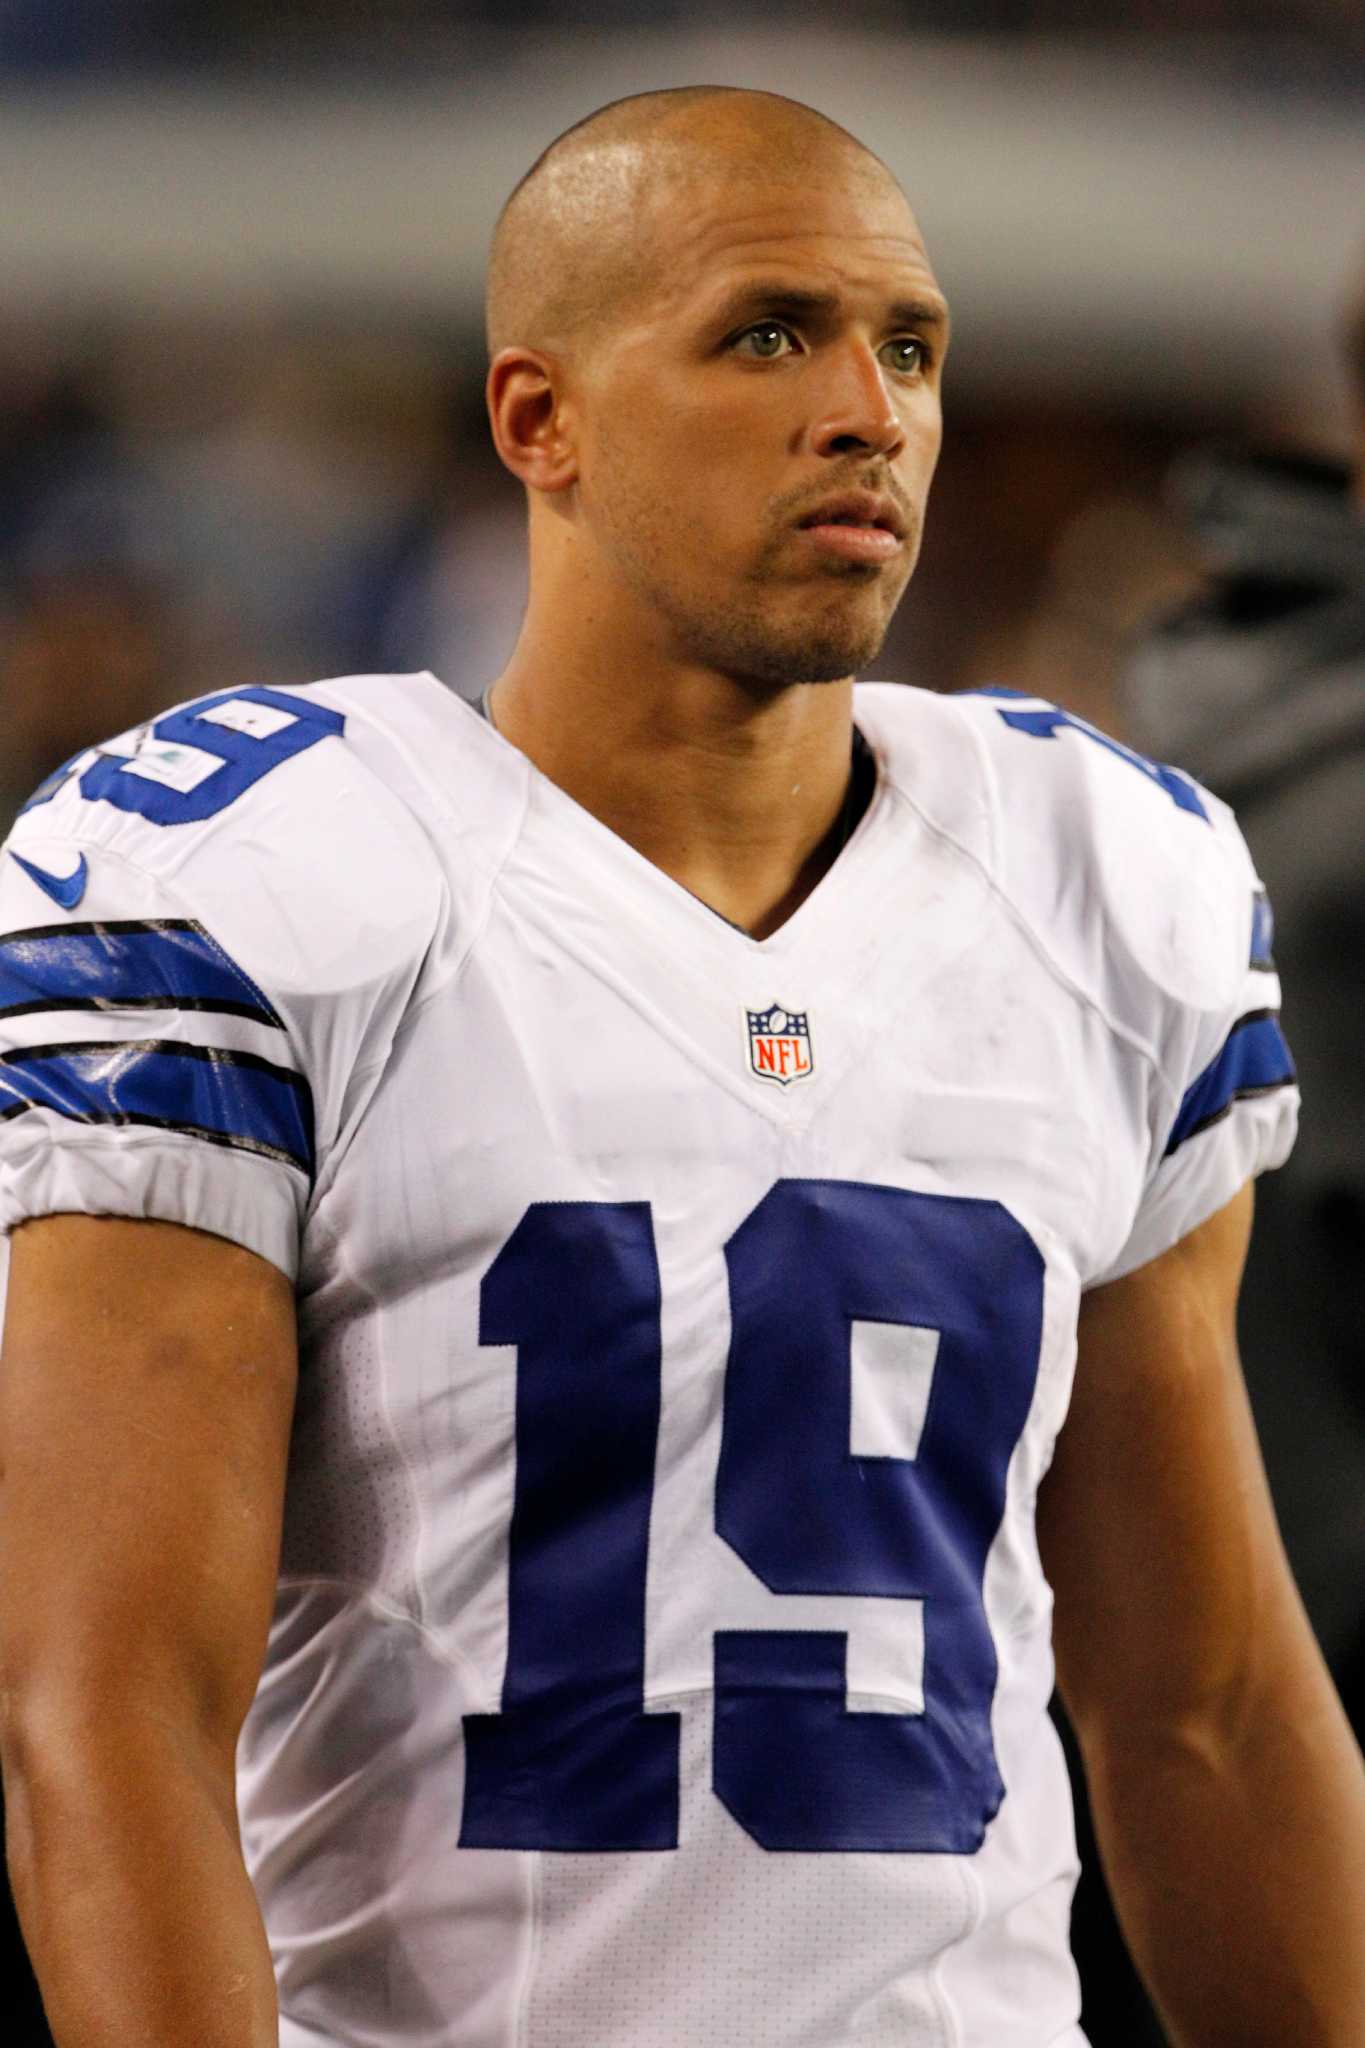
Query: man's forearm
x,y
138,1913
1236,1855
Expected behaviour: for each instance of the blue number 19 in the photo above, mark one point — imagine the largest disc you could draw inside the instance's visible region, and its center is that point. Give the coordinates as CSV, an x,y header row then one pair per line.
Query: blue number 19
x,y
573,1761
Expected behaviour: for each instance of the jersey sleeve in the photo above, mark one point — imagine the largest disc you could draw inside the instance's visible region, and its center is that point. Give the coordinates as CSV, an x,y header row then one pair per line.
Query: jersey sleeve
x,y
1189,977
1226,1100
209,933
1138,886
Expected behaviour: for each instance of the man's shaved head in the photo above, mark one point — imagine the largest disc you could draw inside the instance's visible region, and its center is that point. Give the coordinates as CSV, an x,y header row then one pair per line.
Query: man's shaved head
x,y
580,236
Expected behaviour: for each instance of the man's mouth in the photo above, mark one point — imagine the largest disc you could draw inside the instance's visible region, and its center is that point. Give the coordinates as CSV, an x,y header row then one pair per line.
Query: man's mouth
x,y
857,526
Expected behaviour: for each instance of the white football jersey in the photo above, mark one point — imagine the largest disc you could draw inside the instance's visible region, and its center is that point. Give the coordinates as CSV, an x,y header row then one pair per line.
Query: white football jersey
x,y
661,1657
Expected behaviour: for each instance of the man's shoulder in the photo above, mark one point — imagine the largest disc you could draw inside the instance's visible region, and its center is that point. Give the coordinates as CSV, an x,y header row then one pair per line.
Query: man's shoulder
x,y
270,814
1072,782
211,930
1133,877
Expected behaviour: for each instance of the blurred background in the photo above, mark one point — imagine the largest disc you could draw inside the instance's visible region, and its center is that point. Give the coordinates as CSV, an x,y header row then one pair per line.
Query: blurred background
x,y
241,439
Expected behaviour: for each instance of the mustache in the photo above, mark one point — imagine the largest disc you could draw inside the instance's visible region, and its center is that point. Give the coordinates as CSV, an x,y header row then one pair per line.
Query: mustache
x,y
864,477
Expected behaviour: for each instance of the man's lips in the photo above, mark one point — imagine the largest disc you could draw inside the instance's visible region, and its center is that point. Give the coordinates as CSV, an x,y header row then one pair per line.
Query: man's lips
x,y
853,543
856,526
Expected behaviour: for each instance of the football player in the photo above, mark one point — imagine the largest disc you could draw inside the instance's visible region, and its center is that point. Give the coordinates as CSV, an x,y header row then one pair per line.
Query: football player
x,y
582,1276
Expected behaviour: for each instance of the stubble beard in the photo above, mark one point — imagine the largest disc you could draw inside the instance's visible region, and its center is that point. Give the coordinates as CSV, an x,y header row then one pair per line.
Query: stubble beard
x,y
755,643
751,649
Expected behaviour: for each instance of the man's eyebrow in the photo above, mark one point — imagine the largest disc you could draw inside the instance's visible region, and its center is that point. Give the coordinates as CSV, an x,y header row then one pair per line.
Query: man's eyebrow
x,y
919,313
775,297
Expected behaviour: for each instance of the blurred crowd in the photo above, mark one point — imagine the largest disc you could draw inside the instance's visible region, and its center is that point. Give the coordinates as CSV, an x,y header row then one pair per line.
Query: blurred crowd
x,y
180,509
46,36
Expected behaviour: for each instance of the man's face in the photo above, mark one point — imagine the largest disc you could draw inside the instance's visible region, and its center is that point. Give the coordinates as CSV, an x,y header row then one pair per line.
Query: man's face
x,y
784,357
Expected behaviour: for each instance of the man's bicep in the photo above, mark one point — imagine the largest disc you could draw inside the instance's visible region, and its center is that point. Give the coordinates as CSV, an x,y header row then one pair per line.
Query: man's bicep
x,y
146,1391
1155,1521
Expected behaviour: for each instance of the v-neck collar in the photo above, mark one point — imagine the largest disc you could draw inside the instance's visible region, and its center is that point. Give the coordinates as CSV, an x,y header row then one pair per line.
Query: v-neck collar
x,y
574,886
862,788
546,795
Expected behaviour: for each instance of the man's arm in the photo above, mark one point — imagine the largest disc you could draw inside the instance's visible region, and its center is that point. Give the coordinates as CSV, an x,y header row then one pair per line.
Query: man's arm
x,y
146,1393
1228,1794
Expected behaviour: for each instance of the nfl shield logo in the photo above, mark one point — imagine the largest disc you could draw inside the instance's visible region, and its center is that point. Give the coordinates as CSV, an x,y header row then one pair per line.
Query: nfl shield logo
x,y
779,1044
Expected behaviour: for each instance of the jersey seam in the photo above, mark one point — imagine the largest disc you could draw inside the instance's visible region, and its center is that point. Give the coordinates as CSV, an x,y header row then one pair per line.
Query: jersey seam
x,y
416,1549
492,871
1169,1092
324,1177
535,1935
119,1140
975,1899
465,953
420,1543
393,1609
121,1136
1208,1205
1025,923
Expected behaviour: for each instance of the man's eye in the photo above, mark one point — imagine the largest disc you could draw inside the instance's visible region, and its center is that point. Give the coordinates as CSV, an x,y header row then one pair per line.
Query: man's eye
x,y
906,354
766,341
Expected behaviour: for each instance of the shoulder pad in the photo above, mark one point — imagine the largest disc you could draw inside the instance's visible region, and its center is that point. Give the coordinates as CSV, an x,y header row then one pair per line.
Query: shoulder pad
x,y
253,809
1132,877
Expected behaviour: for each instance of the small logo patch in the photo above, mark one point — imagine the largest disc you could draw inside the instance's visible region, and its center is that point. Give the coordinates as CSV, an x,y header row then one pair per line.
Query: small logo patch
x,y
779,1044
64,889
174,766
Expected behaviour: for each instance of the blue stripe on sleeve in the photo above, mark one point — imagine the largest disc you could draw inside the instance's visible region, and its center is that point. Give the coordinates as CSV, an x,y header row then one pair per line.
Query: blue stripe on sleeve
x,y
228,1098
1262,931
163,964
1254,1060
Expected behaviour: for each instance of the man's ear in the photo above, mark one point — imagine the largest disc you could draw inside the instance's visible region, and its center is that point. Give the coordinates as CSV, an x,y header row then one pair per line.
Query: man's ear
x,y
531,421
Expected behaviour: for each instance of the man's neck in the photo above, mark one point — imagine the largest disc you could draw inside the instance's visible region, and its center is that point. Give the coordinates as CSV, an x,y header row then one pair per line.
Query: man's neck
x,y
736,792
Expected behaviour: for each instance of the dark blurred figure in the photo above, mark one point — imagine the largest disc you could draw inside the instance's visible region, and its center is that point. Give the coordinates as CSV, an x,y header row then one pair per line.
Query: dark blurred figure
x,y
25,2026
1257,685
1259,689
85,655
86,639
1253,678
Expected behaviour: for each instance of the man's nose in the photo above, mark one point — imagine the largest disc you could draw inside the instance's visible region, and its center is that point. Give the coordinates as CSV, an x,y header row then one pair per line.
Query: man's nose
x,y
860,416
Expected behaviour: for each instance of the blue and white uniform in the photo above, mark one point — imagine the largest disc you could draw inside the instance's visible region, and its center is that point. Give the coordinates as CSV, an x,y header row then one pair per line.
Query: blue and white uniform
x,y
662,1651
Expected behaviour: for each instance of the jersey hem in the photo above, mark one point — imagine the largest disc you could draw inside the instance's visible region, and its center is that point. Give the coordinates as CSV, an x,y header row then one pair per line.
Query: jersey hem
x,y
146,1180
1225,1155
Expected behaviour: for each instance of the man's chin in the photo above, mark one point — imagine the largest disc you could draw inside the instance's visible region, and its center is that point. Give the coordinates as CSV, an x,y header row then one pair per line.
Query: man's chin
x,y
817,656
775,652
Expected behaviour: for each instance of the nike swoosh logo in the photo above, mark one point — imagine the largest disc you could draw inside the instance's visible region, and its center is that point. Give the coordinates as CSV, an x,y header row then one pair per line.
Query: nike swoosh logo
x,y
64,889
